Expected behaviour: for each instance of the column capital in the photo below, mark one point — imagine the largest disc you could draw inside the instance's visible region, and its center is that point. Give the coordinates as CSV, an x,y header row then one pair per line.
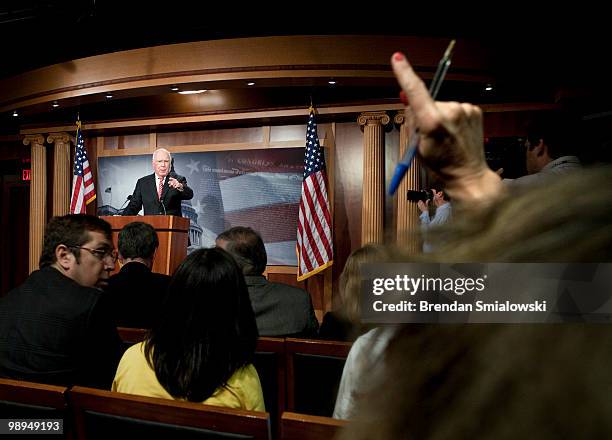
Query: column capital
x,y
59,138
399,118
373,118
34,139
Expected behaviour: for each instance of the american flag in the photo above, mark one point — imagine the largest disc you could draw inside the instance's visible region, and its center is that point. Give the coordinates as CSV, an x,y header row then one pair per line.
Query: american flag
x,y
83,191
314,238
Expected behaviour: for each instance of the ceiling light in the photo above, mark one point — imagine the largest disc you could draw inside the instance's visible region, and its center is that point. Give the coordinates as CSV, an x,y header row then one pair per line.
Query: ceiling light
x,y
488,87
174,88
191,92
15,113
109,96
250,83
331,82
55,104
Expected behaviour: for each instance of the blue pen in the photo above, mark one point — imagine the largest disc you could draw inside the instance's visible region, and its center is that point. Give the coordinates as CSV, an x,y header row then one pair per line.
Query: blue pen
x,y
413,143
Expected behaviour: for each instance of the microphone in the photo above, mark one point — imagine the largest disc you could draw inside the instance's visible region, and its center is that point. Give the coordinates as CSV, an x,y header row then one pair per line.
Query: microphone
x,y
126,200
109,190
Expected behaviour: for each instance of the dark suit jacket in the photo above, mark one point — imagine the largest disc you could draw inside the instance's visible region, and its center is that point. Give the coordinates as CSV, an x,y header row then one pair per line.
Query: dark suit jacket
x,y
145,194
281,309
53,330
137,294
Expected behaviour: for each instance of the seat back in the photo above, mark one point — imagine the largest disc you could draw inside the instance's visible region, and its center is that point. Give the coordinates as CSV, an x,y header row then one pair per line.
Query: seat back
x,y
29,400
296,426
314,370
270,364
100,414
130,336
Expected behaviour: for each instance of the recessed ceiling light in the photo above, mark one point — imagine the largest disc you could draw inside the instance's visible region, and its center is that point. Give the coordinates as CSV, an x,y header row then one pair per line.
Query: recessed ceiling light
x,y
191,92
488,87
15,113
331,82
251,83
109,96
55,104
174,88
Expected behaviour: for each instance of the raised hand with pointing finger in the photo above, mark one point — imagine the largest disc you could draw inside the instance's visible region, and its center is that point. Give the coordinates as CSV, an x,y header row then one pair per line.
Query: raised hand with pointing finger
x,y
451,143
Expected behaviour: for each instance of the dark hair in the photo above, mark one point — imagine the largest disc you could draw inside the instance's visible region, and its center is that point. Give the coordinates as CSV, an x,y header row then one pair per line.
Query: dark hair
x,y
138,240
247,247
207,330
558,130
70,230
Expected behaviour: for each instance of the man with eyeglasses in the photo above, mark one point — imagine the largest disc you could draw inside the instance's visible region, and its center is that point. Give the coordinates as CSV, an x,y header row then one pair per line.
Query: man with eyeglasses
x,y
159,193
57,327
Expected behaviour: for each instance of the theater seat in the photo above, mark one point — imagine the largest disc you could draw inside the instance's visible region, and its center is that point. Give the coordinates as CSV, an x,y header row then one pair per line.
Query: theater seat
x,y
28,400
314,370
100,414
296,426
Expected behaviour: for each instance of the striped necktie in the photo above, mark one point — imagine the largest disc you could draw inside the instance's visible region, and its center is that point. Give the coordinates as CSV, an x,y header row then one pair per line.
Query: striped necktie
x,y
160,188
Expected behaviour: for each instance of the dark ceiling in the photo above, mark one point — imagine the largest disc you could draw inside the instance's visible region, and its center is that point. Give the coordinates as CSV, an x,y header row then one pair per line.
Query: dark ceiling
x,y
536,53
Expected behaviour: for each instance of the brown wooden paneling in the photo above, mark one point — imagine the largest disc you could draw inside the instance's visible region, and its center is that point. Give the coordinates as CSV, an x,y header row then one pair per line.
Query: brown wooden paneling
x,y
348,157
126,142
31,393
172,232
295,426
244,59
202,137
175,412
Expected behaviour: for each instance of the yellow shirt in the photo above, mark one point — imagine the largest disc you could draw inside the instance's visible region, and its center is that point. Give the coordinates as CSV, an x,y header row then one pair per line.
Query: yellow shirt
x,y
135,376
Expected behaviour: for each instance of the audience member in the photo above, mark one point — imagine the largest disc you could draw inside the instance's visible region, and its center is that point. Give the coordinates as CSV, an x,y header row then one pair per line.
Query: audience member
x,y
549,148
443,381
57,327
137,292
280,309
344,322
202,347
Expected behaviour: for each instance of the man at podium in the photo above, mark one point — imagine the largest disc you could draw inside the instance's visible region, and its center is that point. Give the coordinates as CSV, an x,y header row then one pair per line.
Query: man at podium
x,y
161,192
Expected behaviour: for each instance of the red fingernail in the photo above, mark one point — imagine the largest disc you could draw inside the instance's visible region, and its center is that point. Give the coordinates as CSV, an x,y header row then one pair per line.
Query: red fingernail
x,y
403,98
398,56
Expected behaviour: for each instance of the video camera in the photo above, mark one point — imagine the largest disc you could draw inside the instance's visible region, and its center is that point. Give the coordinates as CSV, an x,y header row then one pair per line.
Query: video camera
x,y
422,194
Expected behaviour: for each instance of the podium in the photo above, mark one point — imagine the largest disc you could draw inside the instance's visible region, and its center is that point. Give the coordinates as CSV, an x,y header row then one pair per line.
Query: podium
x,y
172,232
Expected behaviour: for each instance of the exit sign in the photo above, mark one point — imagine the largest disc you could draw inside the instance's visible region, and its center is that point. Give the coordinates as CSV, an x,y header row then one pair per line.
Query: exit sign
x,y
26,175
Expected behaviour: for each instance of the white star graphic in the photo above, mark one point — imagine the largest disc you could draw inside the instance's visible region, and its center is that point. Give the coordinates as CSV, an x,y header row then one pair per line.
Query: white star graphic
x,y
193,166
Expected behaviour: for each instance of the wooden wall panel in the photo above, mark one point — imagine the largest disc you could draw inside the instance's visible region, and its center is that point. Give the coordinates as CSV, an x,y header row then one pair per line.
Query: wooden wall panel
x,y
348,171
202,137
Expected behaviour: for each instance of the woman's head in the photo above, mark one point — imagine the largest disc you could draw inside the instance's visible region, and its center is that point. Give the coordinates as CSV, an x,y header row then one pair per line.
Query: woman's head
x,y
350,279
207,328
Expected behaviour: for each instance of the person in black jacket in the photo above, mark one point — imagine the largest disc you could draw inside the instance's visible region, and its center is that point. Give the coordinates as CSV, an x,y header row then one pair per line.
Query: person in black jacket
x,y
135,291
57,327
280,309
159,193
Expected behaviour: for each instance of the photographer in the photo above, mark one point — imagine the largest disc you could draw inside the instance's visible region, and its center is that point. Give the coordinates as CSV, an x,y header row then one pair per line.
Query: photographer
x,y
441,215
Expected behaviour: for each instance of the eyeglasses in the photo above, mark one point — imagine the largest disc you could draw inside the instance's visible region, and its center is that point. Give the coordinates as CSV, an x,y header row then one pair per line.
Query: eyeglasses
x,y
101,254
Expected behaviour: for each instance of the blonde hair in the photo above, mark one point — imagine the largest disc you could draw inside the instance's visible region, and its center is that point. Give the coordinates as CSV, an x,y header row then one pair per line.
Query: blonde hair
x,y
540,381
568,219
349,304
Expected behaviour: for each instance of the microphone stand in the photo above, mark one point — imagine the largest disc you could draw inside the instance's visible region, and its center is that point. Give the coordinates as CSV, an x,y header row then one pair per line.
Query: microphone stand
x,y
126,200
